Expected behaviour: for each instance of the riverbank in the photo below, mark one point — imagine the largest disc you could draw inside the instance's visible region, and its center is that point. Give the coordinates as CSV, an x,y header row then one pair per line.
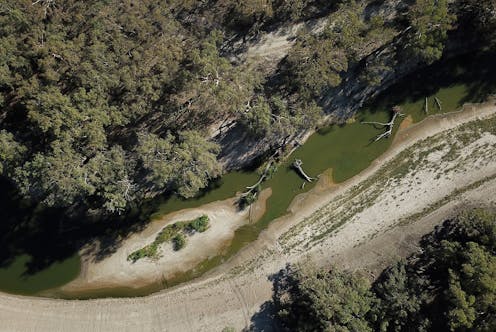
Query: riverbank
x,y
308,207
234,292
116,276
117,271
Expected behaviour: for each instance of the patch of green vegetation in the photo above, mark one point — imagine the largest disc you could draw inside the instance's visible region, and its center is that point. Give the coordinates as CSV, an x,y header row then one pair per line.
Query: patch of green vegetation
x,y
267,171
228,329
150,251
168,232
249,198
178,242
175,233
199,224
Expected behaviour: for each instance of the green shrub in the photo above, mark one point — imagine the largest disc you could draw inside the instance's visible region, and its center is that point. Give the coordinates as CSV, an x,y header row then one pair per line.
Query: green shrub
x,y
200,224
169,231
179,241
174,233
150,251
250,198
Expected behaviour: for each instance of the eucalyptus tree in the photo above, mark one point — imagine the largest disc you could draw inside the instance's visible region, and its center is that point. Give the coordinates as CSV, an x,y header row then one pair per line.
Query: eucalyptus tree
x,y
430,21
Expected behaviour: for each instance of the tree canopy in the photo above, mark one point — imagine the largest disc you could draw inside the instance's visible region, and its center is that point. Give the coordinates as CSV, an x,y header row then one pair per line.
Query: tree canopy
x,y
106,102
430,22
82,84
312,299
450,285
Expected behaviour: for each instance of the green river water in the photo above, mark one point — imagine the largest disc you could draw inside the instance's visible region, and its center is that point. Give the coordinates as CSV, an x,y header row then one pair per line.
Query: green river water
x,y
347,149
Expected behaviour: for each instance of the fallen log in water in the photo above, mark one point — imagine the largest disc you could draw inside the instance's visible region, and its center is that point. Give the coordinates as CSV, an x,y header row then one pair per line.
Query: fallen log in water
x,y
260,180
297,165
389,125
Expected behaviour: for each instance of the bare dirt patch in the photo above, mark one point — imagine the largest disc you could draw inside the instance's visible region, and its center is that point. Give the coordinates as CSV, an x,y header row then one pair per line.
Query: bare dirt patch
x,y
406,123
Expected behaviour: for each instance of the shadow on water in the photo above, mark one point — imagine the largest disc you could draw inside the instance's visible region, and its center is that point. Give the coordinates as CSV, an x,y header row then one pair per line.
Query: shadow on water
x,y
40,245
474,75
31,246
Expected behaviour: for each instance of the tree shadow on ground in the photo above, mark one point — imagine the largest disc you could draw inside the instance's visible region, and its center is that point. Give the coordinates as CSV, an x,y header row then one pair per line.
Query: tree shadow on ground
x,y
265,320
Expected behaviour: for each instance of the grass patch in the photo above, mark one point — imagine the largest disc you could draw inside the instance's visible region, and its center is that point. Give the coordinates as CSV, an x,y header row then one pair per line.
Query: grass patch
x,y
175,233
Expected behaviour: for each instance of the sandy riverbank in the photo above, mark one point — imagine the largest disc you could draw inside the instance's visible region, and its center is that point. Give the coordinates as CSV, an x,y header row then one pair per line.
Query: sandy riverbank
x,y
116,271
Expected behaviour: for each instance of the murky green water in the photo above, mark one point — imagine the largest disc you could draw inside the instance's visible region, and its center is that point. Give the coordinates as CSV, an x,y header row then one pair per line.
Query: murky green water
x,y
346,149
17,279
221,189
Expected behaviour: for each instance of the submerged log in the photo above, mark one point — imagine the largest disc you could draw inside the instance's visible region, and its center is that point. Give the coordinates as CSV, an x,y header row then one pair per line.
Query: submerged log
x,y
297,165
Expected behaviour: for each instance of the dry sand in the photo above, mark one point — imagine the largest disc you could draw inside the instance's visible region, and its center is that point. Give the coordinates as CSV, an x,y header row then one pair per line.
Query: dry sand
x,y
368,240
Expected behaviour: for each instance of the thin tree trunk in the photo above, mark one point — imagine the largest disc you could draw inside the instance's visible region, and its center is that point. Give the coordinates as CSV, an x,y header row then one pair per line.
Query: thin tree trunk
x,y
438,103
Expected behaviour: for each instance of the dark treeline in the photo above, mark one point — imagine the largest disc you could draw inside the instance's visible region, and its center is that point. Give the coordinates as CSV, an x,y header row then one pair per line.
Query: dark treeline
x,y
104,103
450,285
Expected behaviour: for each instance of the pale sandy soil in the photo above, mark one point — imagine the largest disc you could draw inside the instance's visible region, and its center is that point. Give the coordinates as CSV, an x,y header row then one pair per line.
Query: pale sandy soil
x,y
429,183
274,46
368,239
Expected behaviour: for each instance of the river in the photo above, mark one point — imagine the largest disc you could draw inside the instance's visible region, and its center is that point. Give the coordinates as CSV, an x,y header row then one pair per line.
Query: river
x,y
341,150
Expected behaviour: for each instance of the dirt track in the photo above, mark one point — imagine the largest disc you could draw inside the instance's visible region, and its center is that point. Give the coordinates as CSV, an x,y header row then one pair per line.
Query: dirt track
x,y
227,299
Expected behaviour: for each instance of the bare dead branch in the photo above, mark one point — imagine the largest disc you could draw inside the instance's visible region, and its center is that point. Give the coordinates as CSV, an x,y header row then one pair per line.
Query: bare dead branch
x,y
46,3
389,125
438,103
297,165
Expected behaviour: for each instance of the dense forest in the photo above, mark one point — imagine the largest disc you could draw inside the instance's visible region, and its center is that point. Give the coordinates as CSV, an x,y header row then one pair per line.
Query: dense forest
x,y
104,103
449,285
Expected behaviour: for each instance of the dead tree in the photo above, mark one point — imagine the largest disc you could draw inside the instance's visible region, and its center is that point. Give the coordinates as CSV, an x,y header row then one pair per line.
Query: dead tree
x,y
389,125
297,165
226,123
426,106
262,178
438,103
46,4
